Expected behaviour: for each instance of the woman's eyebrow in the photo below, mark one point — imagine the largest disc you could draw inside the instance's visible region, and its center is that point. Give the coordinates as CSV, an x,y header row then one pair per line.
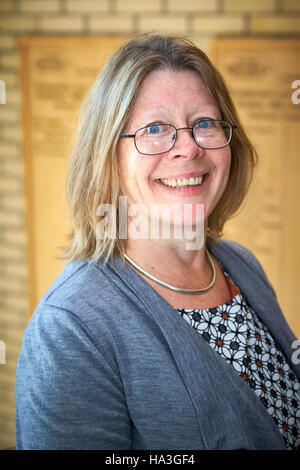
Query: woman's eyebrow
x,y
164,113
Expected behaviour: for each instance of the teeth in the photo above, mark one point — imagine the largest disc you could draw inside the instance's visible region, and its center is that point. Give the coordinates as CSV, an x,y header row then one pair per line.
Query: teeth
x,y
182,181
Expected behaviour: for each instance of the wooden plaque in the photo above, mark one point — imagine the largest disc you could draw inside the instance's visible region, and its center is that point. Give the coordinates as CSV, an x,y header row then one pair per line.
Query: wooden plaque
x,y
260,75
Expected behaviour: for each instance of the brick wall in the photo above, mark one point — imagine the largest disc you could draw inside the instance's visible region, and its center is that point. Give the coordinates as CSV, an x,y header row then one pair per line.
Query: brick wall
x,y
198,18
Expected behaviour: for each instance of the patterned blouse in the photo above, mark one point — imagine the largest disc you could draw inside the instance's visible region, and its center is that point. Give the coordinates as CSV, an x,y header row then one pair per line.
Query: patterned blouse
x,y
235,332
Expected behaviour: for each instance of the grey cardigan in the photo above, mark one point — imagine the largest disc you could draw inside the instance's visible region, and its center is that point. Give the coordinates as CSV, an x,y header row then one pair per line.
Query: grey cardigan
x,y
106,363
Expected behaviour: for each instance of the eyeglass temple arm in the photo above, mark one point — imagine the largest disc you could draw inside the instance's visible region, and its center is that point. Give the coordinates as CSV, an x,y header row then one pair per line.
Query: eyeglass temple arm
x,y
127,135
233,126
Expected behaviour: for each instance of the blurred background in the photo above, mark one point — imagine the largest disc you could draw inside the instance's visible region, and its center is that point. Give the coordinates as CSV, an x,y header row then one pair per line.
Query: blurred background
x,y
50,53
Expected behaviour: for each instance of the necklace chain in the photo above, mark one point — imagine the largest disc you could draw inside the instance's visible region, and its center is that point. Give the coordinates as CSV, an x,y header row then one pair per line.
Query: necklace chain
x,y
178,289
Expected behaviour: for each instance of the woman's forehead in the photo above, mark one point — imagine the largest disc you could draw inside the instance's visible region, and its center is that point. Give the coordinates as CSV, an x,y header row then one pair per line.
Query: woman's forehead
x,y
169,81
165,91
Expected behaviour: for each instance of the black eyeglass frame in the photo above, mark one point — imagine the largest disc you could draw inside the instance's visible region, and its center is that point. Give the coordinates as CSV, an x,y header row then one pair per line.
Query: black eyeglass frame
x,y
232,127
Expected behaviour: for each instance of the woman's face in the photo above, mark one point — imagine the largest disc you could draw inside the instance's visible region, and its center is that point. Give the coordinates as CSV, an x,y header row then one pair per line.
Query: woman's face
x,y
177,98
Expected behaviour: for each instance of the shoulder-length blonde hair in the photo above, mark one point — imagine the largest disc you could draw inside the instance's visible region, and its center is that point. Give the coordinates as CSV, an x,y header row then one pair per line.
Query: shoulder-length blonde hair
x,y
92,177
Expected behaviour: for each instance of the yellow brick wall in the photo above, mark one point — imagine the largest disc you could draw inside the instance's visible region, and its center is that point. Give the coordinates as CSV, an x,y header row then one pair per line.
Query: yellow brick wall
x,y
202,19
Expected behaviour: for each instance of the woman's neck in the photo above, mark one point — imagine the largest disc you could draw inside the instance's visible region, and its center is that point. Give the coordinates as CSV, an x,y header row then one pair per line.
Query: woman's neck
x,y
169,260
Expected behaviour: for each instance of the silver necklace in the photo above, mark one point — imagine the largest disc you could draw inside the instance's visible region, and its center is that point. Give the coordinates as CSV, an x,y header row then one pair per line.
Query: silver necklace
x,y
178,289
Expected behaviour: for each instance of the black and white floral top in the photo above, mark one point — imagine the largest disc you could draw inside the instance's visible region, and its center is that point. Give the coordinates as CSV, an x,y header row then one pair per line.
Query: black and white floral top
x,y
235,332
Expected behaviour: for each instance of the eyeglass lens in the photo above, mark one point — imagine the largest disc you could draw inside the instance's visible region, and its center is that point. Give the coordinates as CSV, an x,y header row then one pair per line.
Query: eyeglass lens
x,y
159,138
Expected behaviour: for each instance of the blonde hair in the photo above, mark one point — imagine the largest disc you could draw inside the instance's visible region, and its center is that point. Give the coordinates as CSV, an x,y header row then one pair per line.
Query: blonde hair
x,y
92,177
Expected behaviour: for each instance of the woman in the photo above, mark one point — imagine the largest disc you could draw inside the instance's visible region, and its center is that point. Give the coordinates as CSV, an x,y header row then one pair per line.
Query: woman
x,y
148,341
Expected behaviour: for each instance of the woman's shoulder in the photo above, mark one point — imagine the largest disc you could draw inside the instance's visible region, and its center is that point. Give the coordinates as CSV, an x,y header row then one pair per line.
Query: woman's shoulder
x,y
80,276
78,309
231,253
230,248
83,289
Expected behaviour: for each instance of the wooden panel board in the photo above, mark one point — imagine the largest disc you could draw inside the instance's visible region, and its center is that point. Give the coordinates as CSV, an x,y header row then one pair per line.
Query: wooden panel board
x,y
259,74
56,74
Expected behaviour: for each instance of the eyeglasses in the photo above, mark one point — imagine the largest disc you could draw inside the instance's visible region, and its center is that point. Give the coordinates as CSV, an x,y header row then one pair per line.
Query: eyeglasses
x,y
160,138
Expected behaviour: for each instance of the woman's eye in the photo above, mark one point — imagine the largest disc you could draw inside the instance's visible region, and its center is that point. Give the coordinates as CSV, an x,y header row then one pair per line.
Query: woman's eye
x,y
154,129
204,123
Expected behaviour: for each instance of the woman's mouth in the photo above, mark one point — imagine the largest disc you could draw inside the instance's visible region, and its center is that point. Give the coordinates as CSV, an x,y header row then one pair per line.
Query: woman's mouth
x,y
181,182
184,186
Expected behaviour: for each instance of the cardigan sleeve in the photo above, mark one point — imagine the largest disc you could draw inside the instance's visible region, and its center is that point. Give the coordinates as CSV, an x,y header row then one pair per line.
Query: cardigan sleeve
x,y
68,393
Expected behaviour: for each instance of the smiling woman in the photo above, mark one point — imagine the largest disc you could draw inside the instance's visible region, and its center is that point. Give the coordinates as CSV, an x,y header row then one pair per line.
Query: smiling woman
x,y
142,342
111,103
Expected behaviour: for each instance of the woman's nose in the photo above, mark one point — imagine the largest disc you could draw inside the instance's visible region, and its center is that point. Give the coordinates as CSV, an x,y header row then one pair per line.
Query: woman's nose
x,y
185,145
